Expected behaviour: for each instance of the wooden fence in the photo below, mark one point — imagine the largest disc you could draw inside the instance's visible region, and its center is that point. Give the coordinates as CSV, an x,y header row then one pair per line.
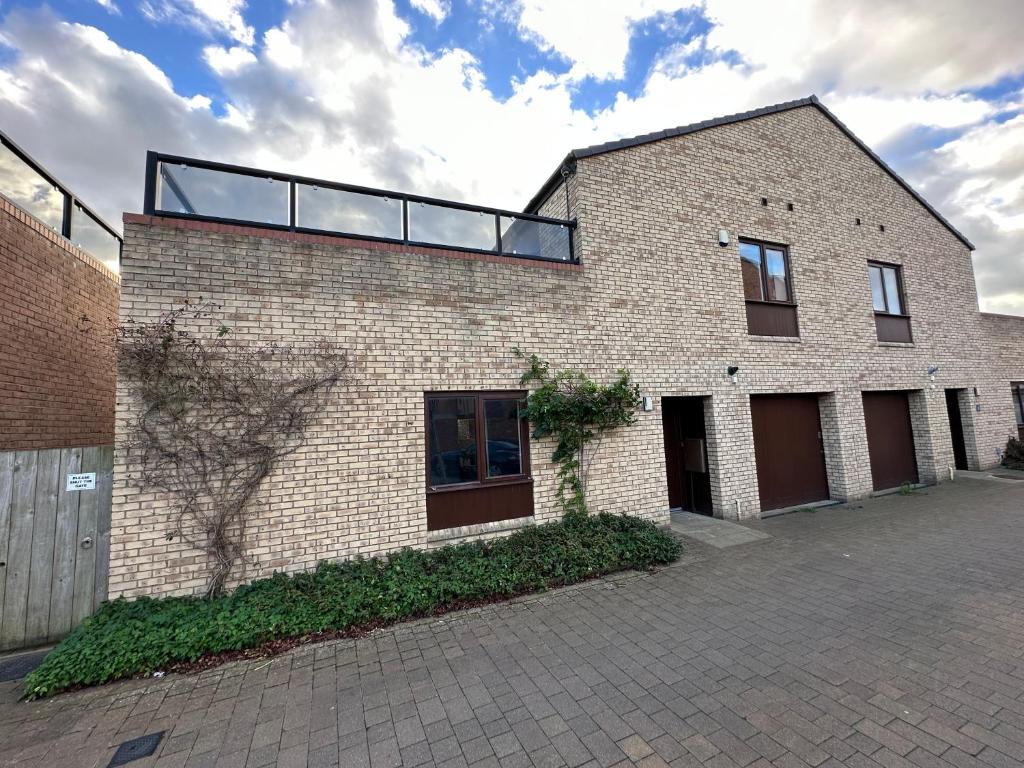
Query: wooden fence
x,y
54,541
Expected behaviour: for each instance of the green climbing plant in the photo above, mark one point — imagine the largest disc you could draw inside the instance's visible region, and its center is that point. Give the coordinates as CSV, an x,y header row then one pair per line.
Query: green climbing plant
x,y
578,413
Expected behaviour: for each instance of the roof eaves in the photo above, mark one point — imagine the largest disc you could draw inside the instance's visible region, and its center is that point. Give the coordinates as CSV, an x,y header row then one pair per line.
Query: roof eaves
x,y
812,100
611,146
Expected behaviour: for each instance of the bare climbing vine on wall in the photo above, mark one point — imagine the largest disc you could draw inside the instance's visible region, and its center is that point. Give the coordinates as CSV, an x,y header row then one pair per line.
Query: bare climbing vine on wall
x,y
216,416
578,413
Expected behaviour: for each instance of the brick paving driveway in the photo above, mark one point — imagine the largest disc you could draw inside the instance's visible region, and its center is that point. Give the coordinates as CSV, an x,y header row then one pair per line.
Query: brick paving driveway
x,y
885,633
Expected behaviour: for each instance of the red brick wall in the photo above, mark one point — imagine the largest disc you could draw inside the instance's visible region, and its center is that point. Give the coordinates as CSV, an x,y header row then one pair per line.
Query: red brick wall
x,y
58,309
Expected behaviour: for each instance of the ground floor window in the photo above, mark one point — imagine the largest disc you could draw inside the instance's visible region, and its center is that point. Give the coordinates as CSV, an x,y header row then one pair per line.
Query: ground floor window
x,y
478,458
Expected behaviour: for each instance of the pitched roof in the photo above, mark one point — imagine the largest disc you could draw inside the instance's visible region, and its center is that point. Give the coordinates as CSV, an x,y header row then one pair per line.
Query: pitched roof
x,y
683,130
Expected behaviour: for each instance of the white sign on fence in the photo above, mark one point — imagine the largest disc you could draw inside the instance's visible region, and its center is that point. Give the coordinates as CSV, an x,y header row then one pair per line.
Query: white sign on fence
x,y
85,481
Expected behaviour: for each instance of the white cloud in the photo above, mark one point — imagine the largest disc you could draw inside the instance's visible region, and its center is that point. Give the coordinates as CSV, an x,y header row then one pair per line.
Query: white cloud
x,y
279,49
895,47
339,91
979,177
878,119
438,10
223,16
228,61
593,36
116,102
226,14
109,6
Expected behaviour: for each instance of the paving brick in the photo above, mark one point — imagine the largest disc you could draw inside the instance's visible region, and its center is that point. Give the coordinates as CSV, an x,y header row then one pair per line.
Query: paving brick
x,y
861,614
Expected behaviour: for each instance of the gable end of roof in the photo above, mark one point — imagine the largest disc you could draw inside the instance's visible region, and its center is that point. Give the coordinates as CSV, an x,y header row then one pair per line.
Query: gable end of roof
x,y
810,101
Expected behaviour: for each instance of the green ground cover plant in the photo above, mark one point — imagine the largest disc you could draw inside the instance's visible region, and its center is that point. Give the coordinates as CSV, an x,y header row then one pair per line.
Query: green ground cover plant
x,y
136,638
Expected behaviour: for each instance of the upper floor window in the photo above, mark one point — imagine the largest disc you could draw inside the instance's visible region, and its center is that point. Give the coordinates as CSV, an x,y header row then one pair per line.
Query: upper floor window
x,y
892,321
768,289
765,272
886,288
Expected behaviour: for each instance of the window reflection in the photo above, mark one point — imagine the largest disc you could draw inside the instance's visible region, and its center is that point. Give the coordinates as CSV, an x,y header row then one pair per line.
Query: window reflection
x,y
775,266
89,235
750,261
20,184
504,452
336,210
452,430
440,225
204,192
522,237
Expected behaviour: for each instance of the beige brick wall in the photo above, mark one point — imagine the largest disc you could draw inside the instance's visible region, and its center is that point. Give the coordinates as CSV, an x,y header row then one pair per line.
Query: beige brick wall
x,y
655,293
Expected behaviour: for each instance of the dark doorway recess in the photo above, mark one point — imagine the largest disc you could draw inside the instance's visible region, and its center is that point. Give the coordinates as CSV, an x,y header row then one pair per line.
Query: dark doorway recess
x,y
789,450
956,428
890,439
686,455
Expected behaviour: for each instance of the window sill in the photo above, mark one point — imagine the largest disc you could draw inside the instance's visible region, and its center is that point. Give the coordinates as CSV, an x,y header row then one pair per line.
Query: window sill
x,y
472,486
773,303
450,535
896,344
783,339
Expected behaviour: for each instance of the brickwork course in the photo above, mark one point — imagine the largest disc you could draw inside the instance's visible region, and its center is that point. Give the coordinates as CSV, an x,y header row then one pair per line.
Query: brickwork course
x,y
883,633
58,311
654,292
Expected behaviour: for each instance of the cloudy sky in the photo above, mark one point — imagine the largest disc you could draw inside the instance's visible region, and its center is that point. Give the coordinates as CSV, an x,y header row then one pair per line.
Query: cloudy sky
x,y
478,100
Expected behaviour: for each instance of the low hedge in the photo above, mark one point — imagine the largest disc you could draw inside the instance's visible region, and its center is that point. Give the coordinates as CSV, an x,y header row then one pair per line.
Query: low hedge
x,y
133,638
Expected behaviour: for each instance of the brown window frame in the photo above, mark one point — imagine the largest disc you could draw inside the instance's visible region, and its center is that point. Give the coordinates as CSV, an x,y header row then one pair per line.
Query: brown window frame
x,y
898,269
764,244
1017,391
482,481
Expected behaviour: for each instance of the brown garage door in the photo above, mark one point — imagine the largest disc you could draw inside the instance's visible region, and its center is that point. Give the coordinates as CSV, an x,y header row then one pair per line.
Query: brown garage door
x,y
890,439
787,444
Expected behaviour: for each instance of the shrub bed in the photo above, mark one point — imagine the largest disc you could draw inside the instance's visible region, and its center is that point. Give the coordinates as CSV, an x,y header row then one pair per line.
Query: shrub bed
x,y
1013,456
133,638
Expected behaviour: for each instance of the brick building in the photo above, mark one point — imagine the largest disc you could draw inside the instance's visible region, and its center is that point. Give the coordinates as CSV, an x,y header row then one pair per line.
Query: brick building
x,y
58,309
805,325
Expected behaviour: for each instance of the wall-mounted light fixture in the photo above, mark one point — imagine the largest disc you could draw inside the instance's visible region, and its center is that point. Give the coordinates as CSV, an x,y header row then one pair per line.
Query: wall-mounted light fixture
x,y
932,370
734,373
723,237
647,403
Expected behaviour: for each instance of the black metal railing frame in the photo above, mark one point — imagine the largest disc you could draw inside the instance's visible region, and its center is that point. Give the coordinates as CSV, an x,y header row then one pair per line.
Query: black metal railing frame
x,y
69,197
154,159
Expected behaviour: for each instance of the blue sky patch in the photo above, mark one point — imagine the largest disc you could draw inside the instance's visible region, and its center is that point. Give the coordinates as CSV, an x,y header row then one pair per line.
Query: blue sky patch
x,y
493,41
649,40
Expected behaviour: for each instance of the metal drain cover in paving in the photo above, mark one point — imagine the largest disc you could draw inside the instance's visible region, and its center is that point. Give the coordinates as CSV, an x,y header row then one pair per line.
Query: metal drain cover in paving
x,y
134,749
16,667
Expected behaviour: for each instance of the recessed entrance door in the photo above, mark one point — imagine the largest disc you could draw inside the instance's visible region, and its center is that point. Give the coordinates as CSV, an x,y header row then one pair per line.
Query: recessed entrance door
x,y
789,450
956,428
890,439
686,460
